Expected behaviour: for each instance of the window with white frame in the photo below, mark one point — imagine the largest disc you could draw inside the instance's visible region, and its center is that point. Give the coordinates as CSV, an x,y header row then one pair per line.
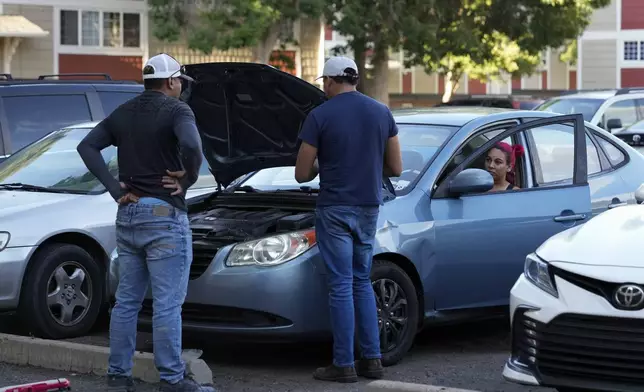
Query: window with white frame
x,y
100,29
632,50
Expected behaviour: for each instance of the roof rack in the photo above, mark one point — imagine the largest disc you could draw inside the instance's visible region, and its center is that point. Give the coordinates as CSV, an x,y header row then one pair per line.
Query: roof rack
x,y
590,90
629,90
105,76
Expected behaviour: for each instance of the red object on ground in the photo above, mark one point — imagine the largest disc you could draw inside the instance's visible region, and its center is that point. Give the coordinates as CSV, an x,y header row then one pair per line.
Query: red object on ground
x,y
58,385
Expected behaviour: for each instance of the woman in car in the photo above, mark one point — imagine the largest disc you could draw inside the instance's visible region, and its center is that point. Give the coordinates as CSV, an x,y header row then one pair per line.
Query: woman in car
x,y
500,162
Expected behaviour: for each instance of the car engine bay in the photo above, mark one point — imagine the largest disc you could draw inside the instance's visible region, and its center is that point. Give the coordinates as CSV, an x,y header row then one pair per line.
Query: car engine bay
x,y
220,226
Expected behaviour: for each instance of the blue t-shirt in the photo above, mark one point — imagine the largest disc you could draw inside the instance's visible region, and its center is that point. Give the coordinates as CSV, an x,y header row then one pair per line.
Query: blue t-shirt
x,y
350,132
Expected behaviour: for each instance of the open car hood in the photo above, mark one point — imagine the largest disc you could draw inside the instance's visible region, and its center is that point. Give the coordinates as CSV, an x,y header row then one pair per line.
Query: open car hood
x,y
249,115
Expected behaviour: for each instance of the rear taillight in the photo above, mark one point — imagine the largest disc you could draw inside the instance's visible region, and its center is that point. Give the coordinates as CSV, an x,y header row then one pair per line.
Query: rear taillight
x,y
516,105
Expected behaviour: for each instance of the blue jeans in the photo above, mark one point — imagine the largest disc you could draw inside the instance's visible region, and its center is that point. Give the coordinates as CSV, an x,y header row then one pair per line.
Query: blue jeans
x,y
345,236
154,245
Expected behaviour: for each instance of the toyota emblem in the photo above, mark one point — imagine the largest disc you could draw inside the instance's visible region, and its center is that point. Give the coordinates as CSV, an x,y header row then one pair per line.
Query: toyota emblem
x,y
629,296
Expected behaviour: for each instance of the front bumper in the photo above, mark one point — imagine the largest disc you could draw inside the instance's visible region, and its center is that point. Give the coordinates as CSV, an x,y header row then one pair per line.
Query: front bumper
x,y
286,302
13,262
578,340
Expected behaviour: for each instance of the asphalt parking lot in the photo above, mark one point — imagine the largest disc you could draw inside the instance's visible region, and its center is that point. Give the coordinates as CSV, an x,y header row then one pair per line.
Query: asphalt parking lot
x,y
469,356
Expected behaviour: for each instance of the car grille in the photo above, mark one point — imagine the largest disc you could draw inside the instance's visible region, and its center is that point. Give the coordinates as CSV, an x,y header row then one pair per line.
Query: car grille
x,y
596,286
576,350
204,250
210,315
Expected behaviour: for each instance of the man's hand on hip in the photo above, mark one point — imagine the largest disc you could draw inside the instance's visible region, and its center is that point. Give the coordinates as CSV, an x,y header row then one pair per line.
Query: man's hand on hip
x,y
172,181
127,198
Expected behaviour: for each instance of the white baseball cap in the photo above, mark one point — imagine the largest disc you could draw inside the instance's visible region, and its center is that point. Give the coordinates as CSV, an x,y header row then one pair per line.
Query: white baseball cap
x,y
164,66
339,66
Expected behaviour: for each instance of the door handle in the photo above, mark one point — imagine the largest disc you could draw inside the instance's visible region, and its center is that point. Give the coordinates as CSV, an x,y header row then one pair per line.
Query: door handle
x,y
617,204
571,217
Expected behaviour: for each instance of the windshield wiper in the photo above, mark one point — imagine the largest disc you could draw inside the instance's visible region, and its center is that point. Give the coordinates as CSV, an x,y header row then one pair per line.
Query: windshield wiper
x,y
28,187
304,189
244,188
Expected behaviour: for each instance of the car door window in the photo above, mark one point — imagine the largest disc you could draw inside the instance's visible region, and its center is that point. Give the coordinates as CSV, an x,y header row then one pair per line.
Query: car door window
x,y
615,155
555,153
113,99
31,117
625,110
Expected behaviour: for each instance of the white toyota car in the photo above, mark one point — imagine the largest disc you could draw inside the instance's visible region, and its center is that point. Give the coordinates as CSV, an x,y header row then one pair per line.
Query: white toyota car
x,y
577,312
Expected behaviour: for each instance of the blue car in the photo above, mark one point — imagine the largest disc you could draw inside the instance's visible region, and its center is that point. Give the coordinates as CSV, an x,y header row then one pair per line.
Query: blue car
x,y
448,249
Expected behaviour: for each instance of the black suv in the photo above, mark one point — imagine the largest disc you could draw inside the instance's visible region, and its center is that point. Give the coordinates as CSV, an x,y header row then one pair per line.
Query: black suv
x,y
31,108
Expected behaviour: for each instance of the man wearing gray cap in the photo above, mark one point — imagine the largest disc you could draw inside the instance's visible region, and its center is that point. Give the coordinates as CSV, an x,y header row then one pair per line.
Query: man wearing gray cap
x,y
159,154
352,141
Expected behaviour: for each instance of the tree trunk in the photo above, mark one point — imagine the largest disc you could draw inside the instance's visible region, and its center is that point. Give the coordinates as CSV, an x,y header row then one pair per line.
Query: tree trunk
x,y
452,80
263,50
379,86
359,49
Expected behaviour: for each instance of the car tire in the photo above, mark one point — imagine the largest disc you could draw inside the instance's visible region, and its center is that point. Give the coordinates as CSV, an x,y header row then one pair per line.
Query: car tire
x,y
51,304
391,274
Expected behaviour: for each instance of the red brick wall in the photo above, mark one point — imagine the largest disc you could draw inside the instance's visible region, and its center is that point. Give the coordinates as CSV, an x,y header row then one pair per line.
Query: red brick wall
x,y
476,87
632,77
328,33
572,80
118,67
277,62
406,83
516,83
632,14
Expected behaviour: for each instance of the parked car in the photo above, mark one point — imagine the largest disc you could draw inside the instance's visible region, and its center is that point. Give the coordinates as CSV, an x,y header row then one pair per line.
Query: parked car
x,y
633,134
445,250
31,108
611,110
56,233
578,309
496,101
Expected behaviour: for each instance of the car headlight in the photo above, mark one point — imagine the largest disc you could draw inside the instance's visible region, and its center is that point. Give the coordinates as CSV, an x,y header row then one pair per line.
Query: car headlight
x,y
4,239
273,250
537,271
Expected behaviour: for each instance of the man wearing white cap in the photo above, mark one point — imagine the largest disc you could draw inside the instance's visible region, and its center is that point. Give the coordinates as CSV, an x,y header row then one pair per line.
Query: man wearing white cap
x,y
159,154
353,139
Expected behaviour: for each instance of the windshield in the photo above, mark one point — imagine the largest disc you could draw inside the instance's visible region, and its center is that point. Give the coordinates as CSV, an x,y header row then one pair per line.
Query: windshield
x,y
418,144
586,106
53,162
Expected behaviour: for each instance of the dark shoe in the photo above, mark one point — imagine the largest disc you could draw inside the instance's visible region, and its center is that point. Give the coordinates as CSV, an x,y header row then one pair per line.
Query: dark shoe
x,y
370,368
337,374
185,385
120,384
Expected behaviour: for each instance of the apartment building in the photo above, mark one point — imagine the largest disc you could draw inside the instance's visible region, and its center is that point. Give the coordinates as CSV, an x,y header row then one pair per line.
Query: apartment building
x,y
610,55
611,50
44,37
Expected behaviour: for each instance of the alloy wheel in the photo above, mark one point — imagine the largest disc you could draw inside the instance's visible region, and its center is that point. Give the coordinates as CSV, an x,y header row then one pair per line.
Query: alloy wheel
x,y
69,293
391,303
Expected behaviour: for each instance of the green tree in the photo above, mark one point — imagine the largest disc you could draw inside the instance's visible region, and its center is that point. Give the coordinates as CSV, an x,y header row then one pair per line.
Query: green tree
x,y
486,38
232,24
375,27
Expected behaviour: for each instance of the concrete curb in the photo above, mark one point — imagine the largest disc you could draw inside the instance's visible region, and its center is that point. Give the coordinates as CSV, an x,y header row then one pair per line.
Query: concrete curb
x,y
395,386
85,358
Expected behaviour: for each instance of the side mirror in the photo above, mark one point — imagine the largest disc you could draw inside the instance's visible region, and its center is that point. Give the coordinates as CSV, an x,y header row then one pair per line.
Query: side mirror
x,y
614,123
471,181
639,194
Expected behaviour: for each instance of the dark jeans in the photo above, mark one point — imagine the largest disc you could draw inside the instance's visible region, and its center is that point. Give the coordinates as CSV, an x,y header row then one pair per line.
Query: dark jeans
x,y
154,245
345,236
